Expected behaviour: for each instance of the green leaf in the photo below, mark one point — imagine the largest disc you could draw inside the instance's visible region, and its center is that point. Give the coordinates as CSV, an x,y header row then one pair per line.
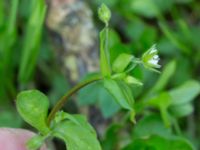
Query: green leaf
x,y
122,62
180,143
7,116
150,8
33,106
184,1
2,14
183,71
185,93
109,107
153,143
8,36
77,136
167,73
162,102
149,36
11,26
35,142
182,110
119,76
60,116
146,8
104,53
113,39
110,142
99,95
173,38
117,49
86,97
126,91
153,122
121,92
132,80
156,142
32,41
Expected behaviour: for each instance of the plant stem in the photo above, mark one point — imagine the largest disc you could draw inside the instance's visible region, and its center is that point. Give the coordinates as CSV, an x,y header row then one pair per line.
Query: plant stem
x,y
68,94
106,46
176,127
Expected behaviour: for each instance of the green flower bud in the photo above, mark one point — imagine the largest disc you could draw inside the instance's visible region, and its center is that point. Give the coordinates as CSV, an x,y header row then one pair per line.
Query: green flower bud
x,y
33,106
150,58
104,14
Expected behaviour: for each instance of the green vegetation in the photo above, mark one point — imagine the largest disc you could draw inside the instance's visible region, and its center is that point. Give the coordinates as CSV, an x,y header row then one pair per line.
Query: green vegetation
x,y
149,104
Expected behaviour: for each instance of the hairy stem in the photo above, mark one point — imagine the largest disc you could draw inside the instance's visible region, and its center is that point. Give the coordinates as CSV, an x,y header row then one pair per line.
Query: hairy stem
x,y
68,94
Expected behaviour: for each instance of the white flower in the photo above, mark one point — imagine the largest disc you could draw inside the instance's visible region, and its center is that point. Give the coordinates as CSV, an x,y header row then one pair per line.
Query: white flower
x,y
150,58
154,61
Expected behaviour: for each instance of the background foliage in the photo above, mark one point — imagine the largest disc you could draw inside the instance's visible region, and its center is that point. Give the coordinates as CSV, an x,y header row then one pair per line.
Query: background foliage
x,y
167,103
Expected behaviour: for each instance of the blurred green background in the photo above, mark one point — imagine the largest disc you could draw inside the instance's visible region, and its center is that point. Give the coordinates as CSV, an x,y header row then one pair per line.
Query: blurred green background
x,y
28,60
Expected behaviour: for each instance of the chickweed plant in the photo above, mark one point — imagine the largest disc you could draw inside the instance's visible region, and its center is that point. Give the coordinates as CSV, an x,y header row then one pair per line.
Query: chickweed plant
x,y
74,129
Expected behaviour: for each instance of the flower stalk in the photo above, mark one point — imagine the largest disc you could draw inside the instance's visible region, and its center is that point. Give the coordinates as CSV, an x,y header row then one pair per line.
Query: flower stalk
x,y
68,94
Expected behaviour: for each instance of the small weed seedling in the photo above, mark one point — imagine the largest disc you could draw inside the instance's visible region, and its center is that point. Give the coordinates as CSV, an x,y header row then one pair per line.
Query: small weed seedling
x,y
74,130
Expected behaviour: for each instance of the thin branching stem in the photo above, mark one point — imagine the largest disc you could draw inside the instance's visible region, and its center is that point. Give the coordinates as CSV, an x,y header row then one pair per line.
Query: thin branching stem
x,y
68,94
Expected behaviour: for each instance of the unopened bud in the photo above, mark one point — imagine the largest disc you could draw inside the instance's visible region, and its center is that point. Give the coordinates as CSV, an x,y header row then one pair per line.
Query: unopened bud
x,y
104,13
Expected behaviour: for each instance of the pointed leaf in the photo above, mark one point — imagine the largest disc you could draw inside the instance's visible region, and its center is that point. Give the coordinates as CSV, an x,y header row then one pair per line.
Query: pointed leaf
x,y
121,92
167,73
